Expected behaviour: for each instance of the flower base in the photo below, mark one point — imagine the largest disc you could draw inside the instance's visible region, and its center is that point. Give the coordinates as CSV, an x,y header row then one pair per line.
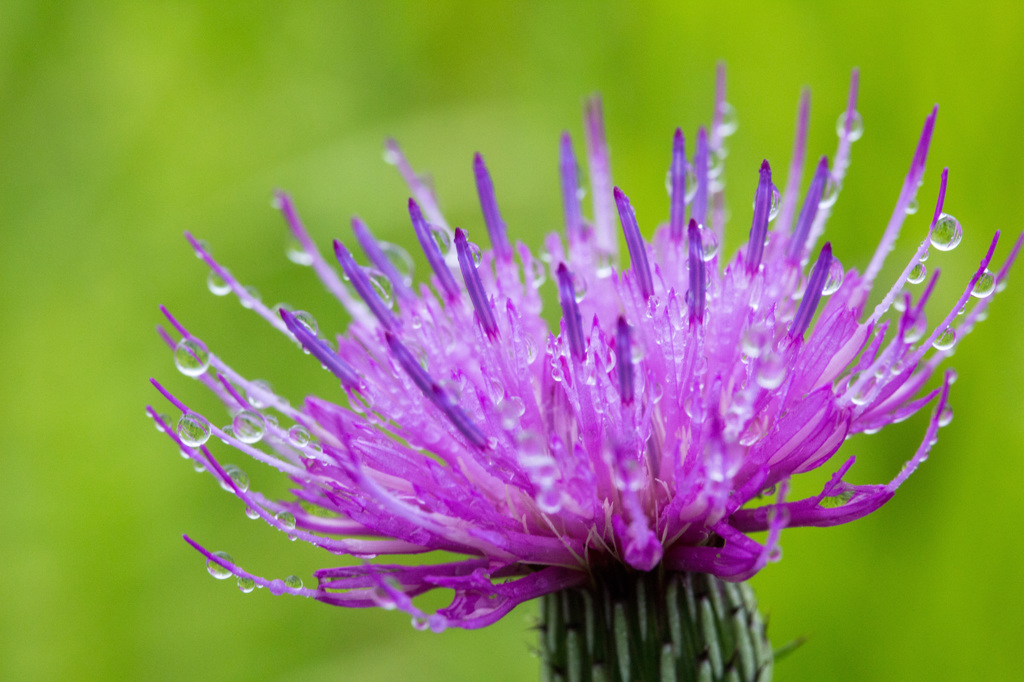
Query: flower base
x,y
637,626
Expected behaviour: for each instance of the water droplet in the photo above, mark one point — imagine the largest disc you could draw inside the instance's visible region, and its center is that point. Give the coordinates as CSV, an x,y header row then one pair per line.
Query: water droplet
x,y
191,357
511,409
441,238
161,418
216,284
774,207
193,429
912,206
945,340
946,416
709,242
307,321
252,513
985,285
296,253
287,520
579,285
730,121
400,259
830,193
776,204
947,233
691,183
298,436
254,397
771,371
476,253
216,570
917,274
246,585
834,280
549,500
856,126
537,274
382,286
914,332
293,581
250,298
864,392
249,426
238,477
754,341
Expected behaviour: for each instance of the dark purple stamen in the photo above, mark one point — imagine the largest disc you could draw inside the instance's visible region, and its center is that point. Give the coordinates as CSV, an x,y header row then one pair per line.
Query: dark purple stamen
x,y
812,294
570,173
320,351
361,283
570,312
699,209
432,252
762,212
474,286
795,250
697,277
624,360
635,244
489,204
677,208
434,393
380,260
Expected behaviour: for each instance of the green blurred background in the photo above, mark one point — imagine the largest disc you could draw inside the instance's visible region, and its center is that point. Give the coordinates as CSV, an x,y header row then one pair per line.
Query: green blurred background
x,y
123,124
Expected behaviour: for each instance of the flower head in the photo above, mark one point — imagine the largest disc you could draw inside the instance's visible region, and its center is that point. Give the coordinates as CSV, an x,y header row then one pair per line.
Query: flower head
x,y
641,431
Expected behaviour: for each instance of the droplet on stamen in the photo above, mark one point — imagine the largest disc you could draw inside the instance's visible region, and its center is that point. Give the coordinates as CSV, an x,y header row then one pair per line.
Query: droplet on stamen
x,y
947,233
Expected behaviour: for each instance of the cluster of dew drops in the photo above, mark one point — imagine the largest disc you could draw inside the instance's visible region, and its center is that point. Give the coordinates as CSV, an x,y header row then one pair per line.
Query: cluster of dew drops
x,y
249,426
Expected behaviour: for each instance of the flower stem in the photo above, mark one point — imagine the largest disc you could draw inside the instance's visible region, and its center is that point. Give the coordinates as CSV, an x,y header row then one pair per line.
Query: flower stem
x,y
633,626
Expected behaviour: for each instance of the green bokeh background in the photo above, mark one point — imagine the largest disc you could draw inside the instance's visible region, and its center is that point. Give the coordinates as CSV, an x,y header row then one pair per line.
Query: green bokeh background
x,y
123,124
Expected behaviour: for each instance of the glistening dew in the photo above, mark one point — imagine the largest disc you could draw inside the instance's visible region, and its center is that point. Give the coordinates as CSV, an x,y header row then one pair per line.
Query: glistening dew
x,y
652,431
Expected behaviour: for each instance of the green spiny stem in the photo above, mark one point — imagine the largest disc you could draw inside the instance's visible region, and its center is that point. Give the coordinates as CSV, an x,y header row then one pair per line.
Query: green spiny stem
x,y
665,627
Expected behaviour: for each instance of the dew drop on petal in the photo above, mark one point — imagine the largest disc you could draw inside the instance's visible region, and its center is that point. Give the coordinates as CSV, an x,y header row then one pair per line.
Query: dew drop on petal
x,y
579,285
216,570
985,285
776,204
947,233
830,193
382,286
191,357
917,273
912,206
730,121
252,513
193,429
216,284
946,416
856,126
298,436
251,297
255,398
249,426
771,370
549,500
246,585
238,477
307,321
834,280
945,340
286,519
691,183
441,238
296,253
709,243
400,259
537,273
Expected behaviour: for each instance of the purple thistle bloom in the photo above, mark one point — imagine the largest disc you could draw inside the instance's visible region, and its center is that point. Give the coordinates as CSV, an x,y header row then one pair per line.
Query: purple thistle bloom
x,y
643,431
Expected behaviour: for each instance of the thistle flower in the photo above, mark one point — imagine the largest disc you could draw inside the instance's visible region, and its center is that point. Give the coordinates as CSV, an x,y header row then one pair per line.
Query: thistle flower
x,y
649,433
